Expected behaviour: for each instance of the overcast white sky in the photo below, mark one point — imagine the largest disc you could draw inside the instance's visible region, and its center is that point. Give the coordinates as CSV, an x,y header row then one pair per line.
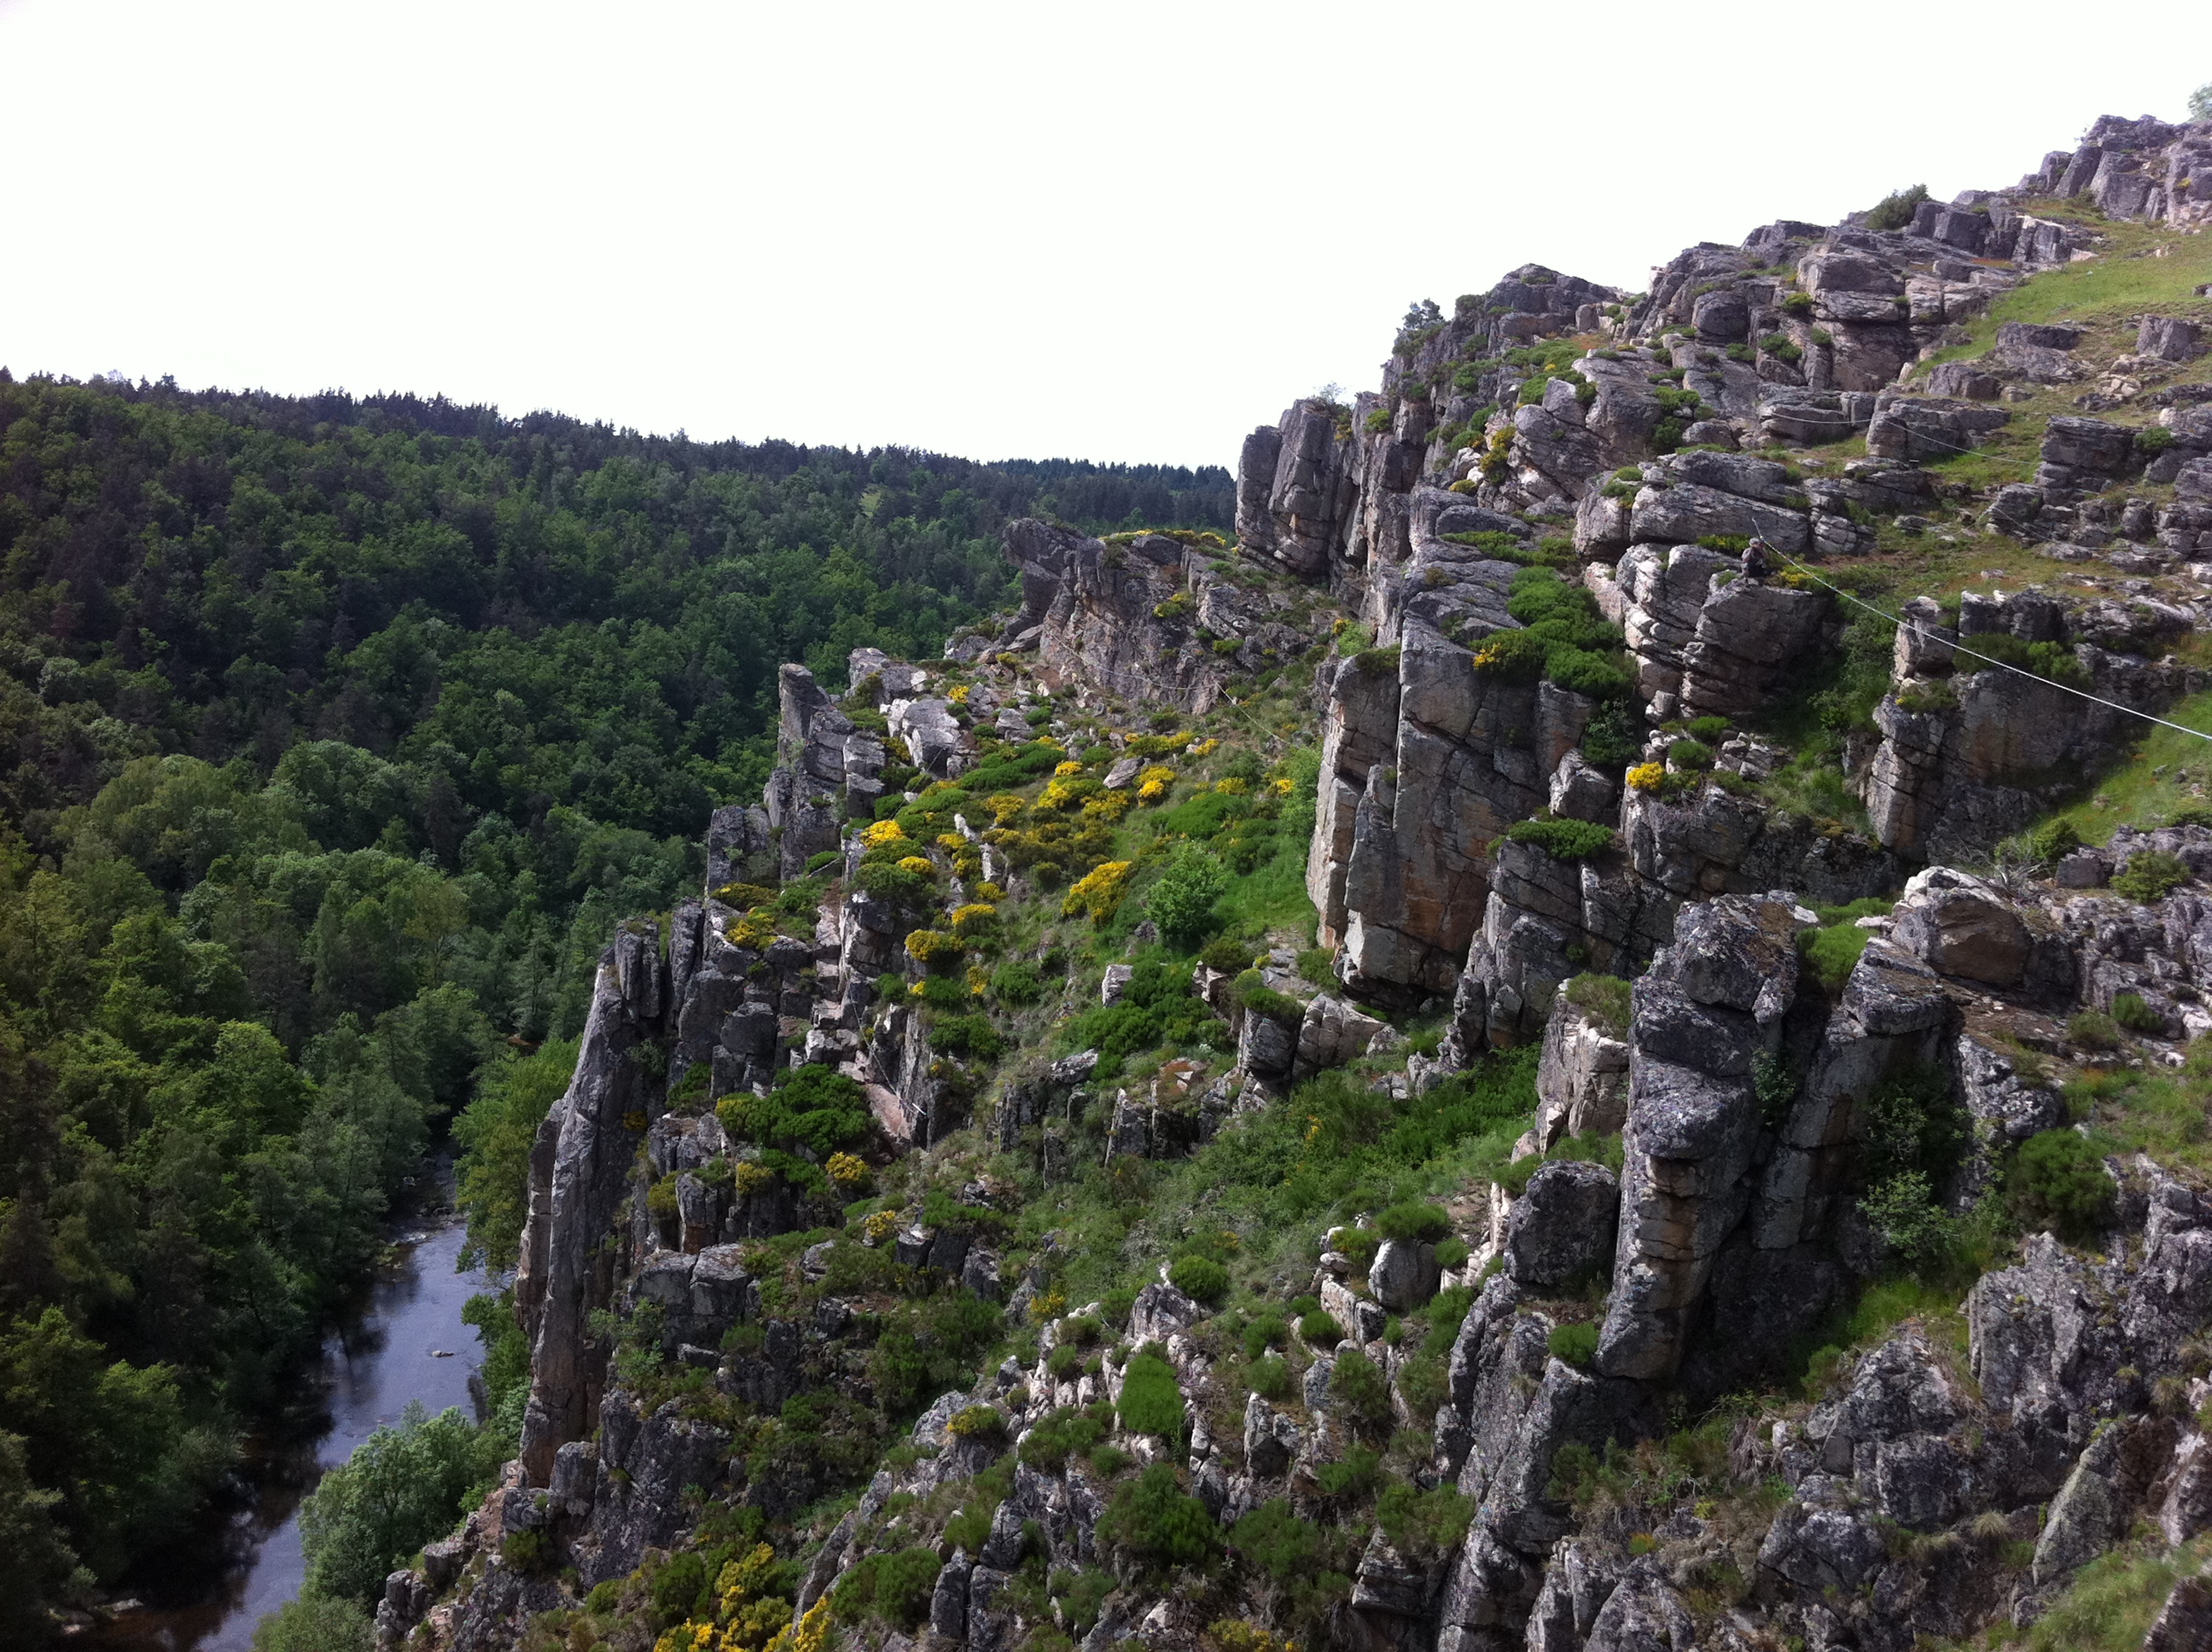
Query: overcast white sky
x,y
1125,232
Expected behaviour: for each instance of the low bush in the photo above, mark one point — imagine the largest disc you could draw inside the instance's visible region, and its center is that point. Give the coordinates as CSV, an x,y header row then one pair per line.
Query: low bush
x,y
1894,210
1016,983
1199,1277
1575,1344
1182,903
2053,839
1154,1518
1422,1224
1268,1376
2150,875
1320,1327
2092,1029
1832,952
1424,1524
2137,1016
1603,998
1566,841
895,1588
2057,1179
1063,1433
1151,1402
1358,1386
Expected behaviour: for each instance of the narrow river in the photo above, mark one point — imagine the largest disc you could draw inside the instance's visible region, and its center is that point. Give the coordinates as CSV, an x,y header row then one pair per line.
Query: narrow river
x,y
409,1344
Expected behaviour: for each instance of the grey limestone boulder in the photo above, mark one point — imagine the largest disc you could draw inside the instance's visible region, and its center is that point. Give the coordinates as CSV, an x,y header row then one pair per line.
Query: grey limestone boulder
x,y
2169,338
1960,926
1562,1225
1403,1275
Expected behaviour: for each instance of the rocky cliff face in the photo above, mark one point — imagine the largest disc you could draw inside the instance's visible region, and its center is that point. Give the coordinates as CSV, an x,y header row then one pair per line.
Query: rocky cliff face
x,y
1588,772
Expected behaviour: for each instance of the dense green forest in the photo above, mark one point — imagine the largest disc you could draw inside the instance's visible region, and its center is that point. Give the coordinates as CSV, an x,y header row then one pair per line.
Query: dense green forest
x,y
335,734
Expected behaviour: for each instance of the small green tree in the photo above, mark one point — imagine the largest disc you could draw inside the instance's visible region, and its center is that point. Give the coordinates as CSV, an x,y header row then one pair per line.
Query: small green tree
x,y
1152,1516
2200,102
315,1623
401,1488
1182,901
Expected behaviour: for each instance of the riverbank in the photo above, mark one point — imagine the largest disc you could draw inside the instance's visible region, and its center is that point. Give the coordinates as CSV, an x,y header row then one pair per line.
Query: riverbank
x,y
409,1344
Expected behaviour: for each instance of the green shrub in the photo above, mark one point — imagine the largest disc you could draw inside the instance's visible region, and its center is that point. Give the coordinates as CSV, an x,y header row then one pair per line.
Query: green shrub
x,y
2053,839
678,1587
1832,952
1275,1541
1251,990
2154,439
1797,304
1692,754
1199,1277
1902,1212
1921,699
1017,982
1451,1252
899,1585
2131,1012
1153,1517
1150,1403
1447,1310
1356,1474
1357,1384
1423,1223
2150,875
1263,1332
1080,1595
1319,1327
1268,1376
1182,903
1563,840
1424,1524
1063,1363
1064,1433
969,1036
315,1623
2092,1029
815,1107
1225,956
1895,210
404,1485
1603,998
2057,1179
2191,816
1576,1344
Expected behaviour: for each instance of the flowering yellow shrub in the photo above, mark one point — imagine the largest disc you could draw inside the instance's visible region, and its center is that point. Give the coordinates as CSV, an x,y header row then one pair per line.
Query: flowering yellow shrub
x,y
1047,1304
1645,777
1233,1635
847,1169
921,866
1006,808
1152,785
756,929
883,832
925,945
751,1178
880,1227
975,1423
1206,748
974,916
1066,791
1232,787
1070,766
959,696
1284,785
989,892
1108,806
951,841
1097,892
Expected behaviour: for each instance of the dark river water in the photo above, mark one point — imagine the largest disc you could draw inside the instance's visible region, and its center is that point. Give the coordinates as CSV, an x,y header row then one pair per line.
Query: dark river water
x,y
409,1344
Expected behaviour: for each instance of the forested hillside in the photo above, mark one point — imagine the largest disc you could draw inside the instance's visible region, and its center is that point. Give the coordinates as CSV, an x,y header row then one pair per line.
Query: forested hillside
x,y
333,733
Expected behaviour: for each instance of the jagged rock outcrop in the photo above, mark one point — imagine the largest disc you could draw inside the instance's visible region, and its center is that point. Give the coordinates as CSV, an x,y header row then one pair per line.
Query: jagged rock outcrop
x,y
1971,751
580,1167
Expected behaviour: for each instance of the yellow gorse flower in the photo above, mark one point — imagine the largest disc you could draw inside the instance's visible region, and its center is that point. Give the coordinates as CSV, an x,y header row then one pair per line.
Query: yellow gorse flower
x,y
883,831
1645,777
